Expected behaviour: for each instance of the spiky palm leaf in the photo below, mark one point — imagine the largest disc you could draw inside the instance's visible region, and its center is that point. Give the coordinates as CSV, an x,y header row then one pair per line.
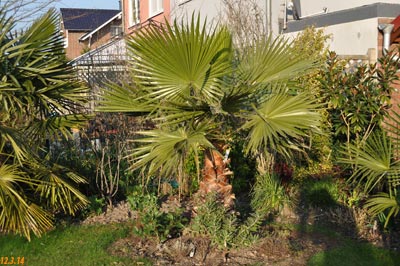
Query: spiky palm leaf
x,y
376,168
374,162
164,151
280,117
17,213
39,97
384,203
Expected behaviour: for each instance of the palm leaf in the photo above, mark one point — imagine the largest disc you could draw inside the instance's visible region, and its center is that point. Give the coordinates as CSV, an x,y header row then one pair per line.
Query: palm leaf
x,y
373,161
17,214
280,117
164,151
383,203
271,60
182,62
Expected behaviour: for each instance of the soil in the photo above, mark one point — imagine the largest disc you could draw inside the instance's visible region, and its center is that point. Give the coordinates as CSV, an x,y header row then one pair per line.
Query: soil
x,y
281,244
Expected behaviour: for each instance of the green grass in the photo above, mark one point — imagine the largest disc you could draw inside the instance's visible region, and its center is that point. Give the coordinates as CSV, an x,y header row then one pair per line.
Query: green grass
x,y
355,254
72,245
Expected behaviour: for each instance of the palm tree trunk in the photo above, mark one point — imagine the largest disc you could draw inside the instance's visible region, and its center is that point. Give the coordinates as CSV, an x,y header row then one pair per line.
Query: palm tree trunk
x,y
215,178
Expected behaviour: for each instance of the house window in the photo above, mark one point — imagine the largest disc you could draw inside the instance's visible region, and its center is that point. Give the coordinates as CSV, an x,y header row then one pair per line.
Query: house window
x,y
116,31
156,7
134,12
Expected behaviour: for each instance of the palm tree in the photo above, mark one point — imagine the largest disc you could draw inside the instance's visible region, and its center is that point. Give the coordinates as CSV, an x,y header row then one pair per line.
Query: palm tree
x,y
190,81
39,97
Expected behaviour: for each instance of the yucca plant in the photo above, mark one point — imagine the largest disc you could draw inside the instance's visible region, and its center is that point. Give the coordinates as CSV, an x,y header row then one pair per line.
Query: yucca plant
x,y
191,82
39,97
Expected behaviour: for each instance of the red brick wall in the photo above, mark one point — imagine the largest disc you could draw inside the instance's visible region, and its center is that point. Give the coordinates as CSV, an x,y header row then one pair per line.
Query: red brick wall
x,y
144,15
74,48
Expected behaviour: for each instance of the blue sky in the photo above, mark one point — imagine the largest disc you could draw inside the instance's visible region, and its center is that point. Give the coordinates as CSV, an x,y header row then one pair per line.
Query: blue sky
x,y
100,4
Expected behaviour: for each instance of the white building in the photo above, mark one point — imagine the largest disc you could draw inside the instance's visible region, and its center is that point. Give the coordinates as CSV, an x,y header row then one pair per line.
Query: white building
x,y
355,25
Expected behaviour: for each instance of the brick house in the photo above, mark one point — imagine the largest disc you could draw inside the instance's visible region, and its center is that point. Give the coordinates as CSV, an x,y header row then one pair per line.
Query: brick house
x,y
87,29
139,13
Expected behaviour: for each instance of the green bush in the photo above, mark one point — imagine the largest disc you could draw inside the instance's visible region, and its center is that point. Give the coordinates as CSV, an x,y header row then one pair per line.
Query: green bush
x,y
224,228
151,221
268,195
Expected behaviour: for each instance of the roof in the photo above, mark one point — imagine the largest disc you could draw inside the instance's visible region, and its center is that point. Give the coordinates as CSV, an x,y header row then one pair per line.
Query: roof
x,y
377,10
80,19
89,34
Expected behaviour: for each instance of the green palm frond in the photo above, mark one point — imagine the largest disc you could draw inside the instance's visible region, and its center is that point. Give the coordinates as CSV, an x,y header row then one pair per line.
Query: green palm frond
x,y
280,117
383,203
35,72
271,60
182,62
55,125
17,213
163,150
125,98
40,98
18,143
373,161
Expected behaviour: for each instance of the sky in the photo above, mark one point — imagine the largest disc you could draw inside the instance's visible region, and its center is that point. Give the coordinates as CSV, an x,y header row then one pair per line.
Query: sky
x,y
99,4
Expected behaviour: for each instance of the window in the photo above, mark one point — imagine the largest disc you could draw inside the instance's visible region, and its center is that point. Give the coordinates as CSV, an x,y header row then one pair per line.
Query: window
x,y
156,7
134,12
116,31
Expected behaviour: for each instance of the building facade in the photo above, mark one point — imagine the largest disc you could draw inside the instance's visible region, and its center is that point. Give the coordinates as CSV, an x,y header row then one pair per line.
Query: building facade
x,y
87,29
139,13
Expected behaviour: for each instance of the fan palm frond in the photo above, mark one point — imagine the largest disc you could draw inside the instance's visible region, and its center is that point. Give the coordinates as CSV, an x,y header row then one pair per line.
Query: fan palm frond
x,y
162,150
182,62
17,213
383,203
280,117
373,161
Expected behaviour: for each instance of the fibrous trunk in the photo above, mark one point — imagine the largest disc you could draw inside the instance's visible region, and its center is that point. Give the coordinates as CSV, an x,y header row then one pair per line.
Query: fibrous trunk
x,y
215,177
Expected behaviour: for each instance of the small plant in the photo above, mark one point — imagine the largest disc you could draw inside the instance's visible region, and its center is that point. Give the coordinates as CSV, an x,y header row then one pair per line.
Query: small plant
x,y
96,205
224,228
268,195
151,221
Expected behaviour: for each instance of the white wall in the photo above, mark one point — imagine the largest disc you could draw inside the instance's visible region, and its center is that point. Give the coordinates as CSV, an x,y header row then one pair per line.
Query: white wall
x,y
182,9
360,36
309,7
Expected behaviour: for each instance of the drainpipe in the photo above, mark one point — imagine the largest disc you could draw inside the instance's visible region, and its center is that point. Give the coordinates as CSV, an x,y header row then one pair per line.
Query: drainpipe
x,y
387,30
285,15
268,14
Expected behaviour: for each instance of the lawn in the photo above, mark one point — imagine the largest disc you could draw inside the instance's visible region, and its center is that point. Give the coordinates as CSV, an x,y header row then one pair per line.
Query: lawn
x,y
86,245
356,254
71,245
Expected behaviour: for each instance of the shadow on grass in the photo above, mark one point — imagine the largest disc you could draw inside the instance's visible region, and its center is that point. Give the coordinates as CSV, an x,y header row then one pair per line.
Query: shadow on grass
x,y
348,248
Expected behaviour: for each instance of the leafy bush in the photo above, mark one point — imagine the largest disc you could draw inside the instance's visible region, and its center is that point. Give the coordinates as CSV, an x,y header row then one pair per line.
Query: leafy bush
x,y
224,228
151,221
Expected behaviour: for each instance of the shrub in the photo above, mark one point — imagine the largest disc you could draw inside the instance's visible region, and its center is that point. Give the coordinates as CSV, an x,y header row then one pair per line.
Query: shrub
x,y
224,228
151,221
268,194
